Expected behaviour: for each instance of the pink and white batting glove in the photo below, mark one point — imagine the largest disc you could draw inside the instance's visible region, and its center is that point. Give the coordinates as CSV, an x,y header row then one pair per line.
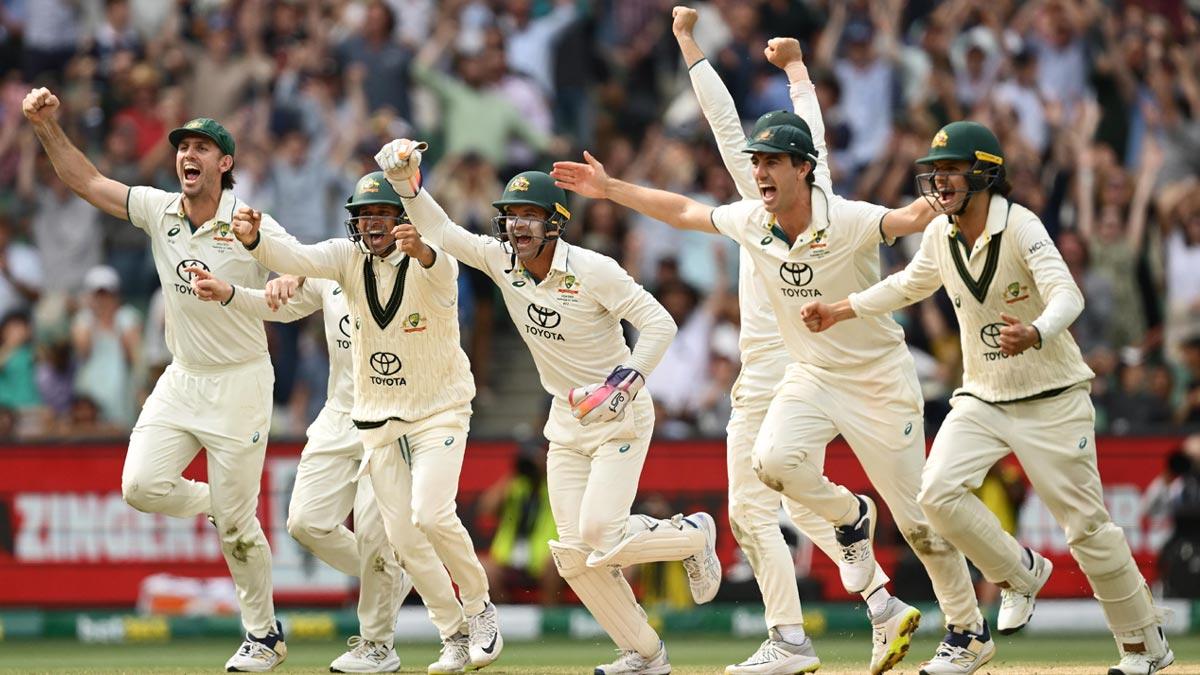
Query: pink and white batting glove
x,y
400,161
605,401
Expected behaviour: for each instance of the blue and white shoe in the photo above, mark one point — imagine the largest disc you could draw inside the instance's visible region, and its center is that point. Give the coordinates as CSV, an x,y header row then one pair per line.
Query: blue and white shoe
x,y
259,655
857,564
961,652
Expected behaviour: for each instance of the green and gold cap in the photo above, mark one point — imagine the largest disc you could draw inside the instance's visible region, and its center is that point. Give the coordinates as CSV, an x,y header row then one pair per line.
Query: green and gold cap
x,y
783,138
964,141
204,126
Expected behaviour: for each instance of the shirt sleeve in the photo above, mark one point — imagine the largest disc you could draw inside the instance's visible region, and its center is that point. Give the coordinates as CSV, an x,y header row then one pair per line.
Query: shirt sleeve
x,y
721,113
443,277
439,231
863,220
732,220
918,280
1064,301
142,203
253,302
280,252
804,102
626,299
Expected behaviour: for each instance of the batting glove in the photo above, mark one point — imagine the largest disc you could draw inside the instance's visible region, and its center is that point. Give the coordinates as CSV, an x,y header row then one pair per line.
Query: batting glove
x,y
605,401
401,163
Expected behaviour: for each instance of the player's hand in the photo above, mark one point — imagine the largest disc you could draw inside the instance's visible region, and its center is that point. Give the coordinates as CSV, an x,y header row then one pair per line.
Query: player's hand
x,y
400,161
817,316
40,106
281,289
1016,337
246,222
783,51
589,180
408,240
207,287
683,21
605,401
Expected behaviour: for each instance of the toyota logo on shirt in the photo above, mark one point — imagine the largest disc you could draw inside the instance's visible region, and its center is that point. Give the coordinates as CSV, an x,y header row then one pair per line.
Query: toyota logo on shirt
x,y
796,274
546,318
990,334
186,277
385,363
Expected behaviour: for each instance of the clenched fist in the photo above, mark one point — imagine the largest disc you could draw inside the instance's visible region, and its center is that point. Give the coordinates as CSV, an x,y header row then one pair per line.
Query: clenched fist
x,y
246,222
783,51
207,287
408,240
683,20
40,106
400,161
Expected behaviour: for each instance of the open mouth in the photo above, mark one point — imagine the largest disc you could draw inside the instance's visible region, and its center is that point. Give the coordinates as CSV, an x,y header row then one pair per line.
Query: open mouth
x,y
375,239
191,173
524,240
767,192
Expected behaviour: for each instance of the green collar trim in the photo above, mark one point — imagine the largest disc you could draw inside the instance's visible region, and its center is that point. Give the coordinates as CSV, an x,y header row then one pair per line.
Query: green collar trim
x,y
978,287
383,314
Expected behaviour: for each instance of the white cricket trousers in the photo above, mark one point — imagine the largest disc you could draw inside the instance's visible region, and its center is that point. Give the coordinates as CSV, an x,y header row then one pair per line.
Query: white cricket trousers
x,y
416,482
227,411
325,493
1055,441
878,409
754,507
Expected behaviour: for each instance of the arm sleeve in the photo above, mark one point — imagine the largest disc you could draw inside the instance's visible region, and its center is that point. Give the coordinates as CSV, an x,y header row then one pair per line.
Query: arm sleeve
x,y
443,277
1064,301
719,110
806,105
253,302
280,252
444,234
917,281
142,202
864,220
626,299
731,220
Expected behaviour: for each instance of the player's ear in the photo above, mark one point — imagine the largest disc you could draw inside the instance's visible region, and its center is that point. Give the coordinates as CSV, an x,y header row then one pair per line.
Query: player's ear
x,y
225,163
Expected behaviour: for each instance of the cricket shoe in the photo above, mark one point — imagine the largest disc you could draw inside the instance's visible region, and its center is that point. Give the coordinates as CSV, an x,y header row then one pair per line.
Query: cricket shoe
x,y
1016,607
259,655
366,656
891,634
857,564
456,656
485,640
704,568
1152,656
776,656
961,652
633,663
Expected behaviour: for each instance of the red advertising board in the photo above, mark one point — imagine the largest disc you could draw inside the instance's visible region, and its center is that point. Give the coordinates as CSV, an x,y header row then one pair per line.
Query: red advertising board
x,y
68,540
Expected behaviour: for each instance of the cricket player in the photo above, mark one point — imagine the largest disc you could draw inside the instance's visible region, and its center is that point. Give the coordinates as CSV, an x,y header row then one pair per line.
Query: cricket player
x,y
325,492
412,383
754,507
1025,390
861,384
216,393
567,302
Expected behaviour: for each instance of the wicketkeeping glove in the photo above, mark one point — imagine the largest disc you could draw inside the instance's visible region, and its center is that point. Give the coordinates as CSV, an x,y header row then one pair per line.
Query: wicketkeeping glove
x,y
606,400
401,162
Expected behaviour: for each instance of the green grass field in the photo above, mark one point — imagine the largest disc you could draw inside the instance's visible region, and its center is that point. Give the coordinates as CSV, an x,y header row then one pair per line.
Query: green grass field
x,y
1069,655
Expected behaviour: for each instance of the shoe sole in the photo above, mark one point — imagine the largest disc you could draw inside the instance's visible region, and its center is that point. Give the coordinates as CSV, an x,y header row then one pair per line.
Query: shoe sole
x,y
872,515
1167,661
1049,567
735,669
898,648
282,658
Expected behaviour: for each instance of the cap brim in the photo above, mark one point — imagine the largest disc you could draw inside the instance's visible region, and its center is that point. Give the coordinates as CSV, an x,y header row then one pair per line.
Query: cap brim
x,y
759,146
501,203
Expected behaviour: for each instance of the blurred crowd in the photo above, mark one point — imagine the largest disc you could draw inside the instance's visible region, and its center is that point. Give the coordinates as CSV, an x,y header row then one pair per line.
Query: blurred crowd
x,y
1096,103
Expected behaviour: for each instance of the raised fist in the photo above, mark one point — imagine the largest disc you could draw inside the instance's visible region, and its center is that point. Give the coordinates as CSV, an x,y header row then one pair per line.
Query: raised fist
x,y
40,106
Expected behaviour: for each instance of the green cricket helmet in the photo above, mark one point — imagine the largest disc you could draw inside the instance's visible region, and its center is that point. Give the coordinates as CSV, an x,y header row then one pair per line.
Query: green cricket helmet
x,y
371,189
964,142
538,189
777,118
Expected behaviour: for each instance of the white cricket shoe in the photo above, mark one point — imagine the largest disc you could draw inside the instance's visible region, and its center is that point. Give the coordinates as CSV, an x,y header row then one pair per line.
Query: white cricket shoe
x,y
704,568
366,656
633,663
485,640
891,634
1016,607
776,656
456,656
1154,654
857,564
259,655
961,652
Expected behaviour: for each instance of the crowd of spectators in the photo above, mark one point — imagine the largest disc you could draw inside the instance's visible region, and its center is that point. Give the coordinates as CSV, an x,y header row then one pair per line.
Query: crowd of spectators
x,y
1096,103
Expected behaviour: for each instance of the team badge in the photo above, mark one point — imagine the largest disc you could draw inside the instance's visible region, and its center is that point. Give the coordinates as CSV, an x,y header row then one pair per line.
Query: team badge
x,y
414,323
940,139
519,184
368,184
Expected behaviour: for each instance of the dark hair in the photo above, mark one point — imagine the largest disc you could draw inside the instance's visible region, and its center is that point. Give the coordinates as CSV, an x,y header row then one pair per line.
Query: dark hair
x,y
810,177
227,180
